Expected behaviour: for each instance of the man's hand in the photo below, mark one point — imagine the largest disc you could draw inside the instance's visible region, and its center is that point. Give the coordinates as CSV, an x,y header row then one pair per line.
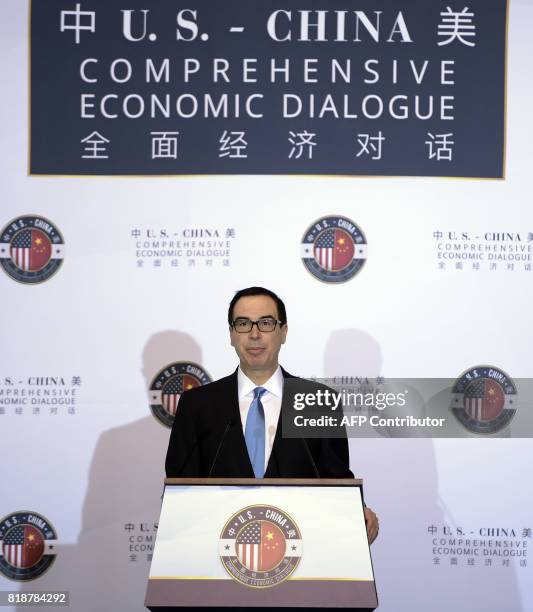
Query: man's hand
x,y
372,524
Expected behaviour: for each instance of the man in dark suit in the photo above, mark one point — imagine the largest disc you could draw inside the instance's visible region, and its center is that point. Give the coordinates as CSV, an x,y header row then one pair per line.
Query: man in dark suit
x,y
230,428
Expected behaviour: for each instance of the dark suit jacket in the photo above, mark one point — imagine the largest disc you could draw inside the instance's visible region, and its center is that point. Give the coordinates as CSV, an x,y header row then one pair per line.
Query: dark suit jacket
x,y
210,414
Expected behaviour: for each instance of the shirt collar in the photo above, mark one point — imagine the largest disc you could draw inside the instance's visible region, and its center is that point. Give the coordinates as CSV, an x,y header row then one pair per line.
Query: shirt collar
x,y
273,385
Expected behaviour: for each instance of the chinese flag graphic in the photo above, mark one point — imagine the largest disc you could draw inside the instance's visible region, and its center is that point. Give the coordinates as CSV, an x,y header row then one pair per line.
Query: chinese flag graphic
x,y
189,382
272,546
344,250
31,250
493,401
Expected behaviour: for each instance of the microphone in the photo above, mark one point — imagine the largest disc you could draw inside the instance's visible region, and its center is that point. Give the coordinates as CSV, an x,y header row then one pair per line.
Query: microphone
x,y
309,454
228,427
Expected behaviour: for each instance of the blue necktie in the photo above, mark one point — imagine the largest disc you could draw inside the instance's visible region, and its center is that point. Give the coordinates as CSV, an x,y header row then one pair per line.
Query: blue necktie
x,y
254,433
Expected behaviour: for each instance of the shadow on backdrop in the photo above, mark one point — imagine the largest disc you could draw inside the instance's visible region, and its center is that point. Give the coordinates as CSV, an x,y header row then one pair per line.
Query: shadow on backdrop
x,y
401,484
125,487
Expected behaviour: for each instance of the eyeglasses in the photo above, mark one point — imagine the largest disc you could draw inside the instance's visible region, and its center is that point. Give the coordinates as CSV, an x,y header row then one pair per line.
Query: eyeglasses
x,y
245,326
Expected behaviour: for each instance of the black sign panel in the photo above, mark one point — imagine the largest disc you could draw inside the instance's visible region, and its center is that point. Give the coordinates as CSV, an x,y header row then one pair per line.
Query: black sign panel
x,y
372,87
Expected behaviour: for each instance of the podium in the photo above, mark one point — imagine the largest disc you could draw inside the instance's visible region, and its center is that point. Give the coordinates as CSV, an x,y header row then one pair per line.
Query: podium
x,y
265,543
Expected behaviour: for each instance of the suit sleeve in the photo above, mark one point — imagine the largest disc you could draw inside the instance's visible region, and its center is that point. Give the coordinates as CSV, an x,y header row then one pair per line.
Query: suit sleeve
x,y
334,459
183,454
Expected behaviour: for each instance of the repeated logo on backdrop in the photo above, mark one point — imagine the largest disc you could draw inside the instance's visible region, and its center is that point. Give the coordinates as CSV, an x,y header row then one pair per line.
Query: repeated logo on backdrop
x,y
333,249
27,544
31,249
168,385
484,399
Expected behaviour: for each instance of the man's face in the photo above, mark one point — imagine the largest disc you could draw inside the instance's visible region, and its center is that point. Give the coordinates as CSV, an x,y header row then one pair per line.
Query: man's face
x,y
257,351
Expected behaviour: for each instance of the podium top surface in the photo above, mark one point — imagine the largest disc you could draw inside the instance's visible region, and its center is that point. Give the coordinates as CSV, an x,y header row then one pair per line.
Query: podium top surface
x,y
295,482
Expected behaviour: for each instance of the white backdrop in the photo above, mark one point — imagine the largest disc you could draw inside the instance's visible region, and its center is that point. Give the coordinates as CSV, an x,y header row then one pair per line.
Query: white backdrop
x,y
96,474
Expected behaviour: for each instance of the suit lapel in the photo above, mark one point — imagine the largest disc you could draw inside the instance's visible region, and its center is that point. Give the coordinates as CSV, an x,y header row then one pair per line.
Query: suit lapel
x,y
273,468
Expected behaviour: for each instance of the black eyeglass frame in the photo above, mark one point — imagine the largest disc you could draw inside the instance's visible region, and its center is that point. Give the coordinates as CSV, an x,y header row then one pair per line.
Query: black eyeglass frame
x,y
276,322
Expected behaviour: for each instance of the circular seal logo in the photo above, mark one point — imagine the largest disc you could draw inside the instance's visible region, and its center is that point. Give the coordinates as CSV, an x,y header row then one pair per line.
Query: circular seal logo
x,y
31,249
260,546
170,383
28,545
484,399
333,249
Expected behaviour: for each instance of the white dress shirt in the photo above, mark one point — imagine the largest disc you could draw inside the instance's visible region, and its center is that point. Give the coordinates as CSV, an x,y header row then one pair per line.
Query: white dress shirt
x,y
271,401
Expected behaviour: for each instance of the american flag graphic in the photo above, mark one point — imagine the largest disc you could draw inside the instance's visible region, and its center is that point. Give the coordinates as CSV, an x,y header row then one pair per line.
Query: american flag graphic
x,y
483,399
30,249
334,249
23,546
174,388
260,546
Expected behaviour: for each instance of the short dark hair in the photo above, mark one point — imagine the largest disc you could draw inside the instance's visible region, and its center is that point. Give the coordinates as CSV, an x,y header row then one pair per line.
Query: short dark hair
x,y
250,291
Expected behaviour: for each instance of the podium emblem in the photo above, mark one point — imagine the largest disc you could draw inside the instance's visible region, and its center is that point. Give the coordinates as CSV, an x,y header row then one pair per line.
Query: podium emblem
x,y
260,546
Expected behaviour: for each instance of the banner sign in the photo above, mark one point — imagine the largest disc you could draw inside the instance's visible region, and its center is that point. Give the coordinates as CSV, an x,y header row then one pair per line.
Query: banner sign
x,y
296,87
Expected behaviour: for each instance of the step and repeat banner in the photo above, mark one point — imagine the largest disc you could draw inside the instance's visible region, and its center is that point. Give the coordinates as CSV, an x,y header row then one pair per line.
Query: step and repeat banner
x,y
369,162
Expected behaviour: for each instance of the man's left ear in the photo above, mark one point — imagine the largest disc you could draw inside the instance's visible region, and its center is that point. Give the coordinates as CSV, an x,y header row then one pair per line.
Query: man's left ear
x,y
285,329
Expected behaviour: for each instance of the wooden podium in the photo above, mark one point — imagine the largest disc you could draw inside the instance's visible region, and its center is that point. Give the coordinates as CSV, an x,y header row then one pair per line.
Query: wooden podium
x,y
266,543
